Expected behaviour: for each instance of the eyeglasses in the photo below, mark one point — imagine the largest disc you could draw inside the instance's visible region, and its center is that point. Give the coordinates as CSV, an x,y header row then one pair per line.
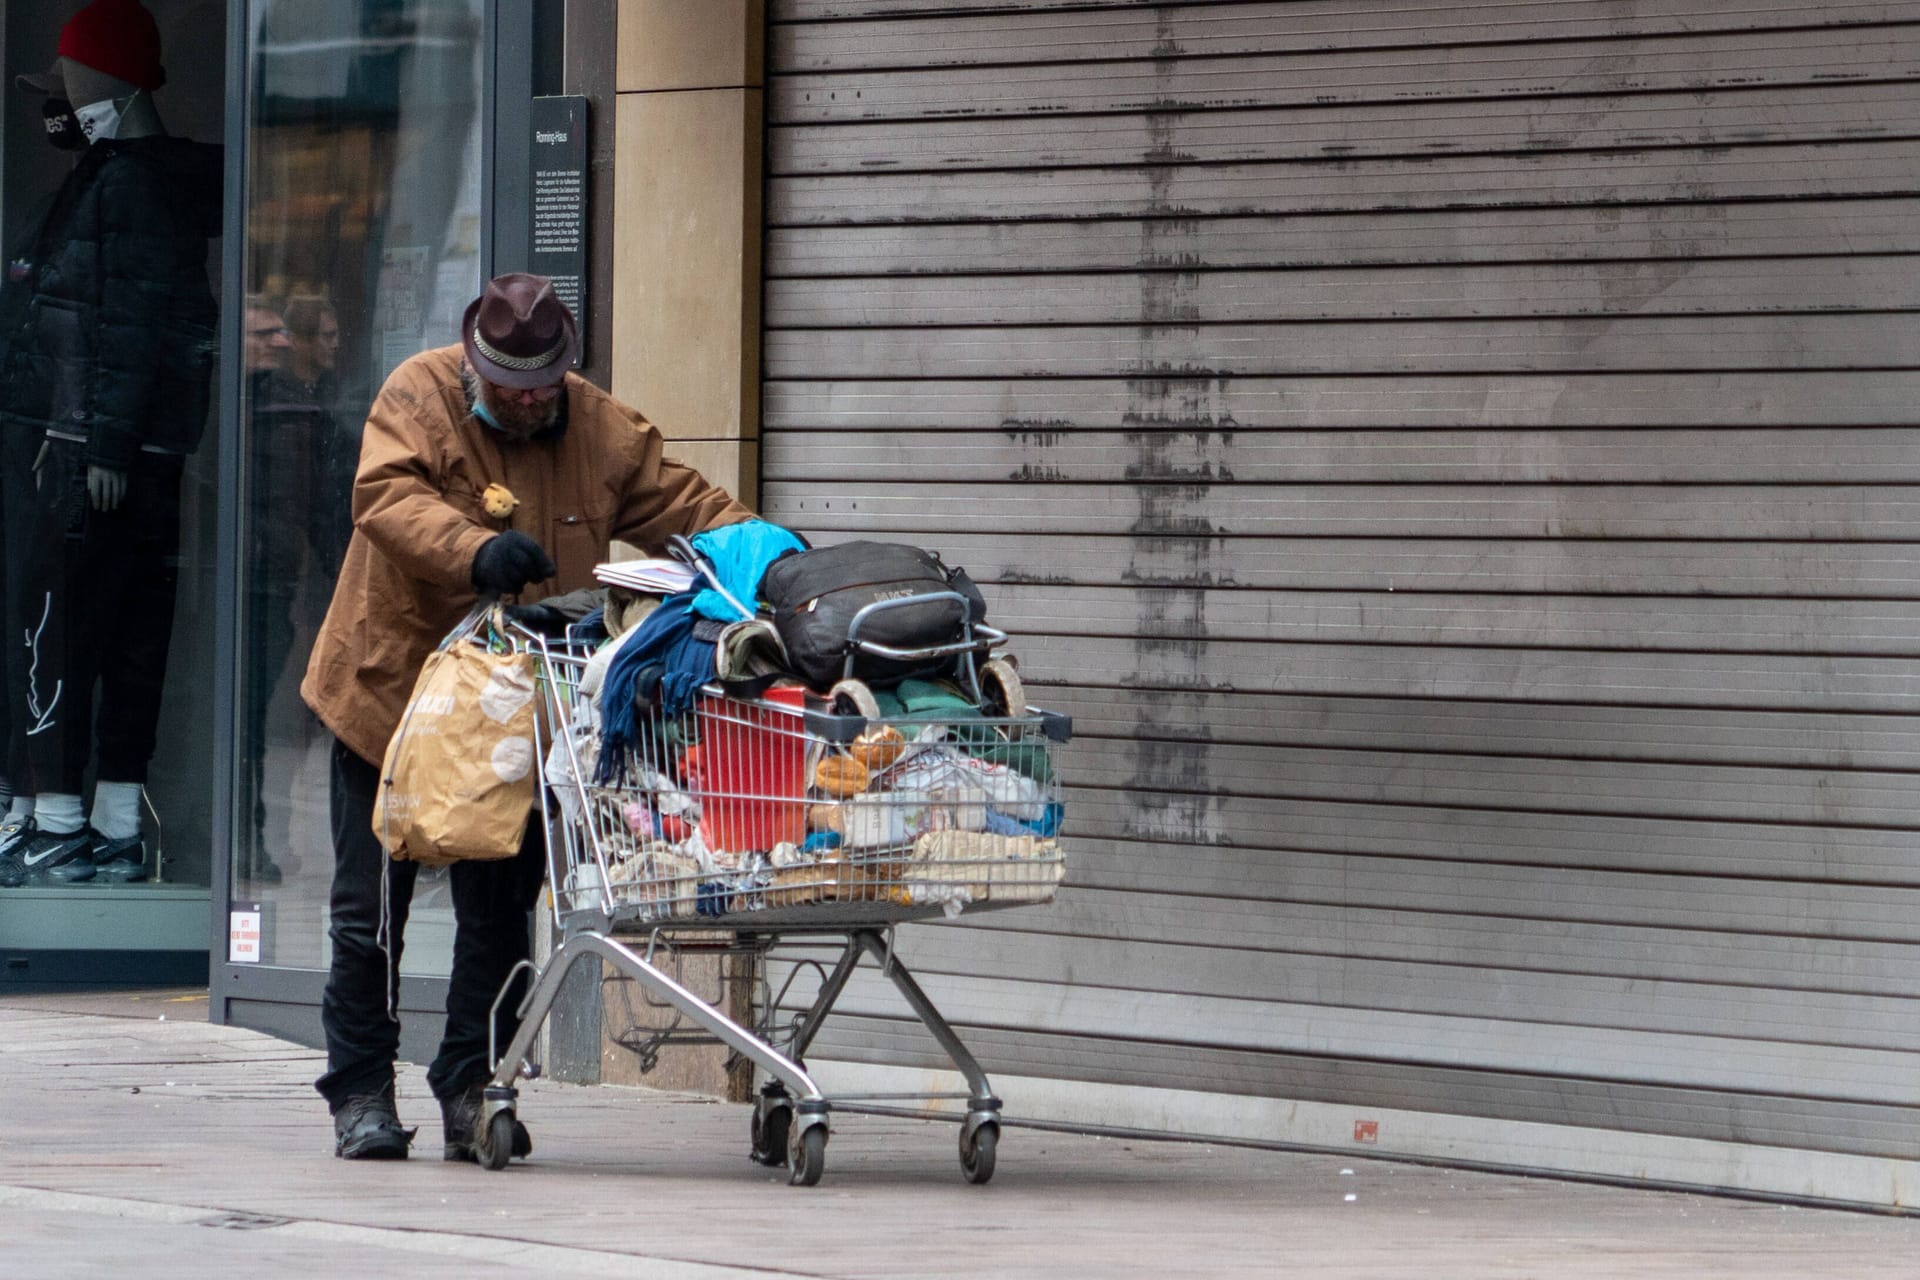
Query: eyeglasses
x,y
531,395
271,331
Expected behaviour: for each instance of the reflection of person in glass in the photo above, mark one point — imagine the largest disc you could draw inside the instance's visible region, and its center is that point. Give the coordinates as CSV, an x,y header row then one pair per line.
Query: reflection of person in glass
x,y
501,409
314,332
266,339
290,353
104,393
280,443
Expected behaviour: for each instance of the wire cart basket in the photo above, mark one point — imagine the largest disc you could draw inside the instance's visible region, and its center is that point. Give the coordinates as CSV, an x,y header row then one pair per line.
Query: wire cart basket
x,y
784,822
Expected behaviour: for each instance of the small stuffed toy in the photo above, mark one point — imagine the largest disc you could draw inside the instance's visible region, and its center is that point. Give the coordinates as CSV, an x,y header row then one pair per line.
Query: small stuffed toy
x,y
499,501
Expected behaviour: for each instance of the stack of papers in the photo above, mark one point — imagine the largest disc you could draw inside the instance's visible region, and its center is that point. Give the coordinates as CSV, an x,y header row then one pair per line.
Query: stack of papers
x,y
649,577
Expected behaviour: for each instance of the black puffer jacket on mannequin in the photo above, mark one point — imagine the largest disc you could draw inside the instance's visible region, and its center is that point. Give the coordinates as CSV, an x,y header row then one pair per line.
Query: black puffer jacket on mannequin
x,y
114,343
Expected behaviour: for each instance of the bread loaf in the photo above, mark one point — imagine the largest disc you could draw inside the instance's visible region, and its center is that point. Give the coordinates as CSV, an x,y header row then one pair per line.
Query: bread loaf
x,y
878,748
841,776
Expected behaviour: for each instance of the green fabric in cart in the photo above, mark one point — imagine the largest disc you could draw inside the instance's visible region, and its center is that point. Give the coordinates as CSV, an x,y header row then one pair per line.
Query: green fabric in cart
x,y
925,700
941,700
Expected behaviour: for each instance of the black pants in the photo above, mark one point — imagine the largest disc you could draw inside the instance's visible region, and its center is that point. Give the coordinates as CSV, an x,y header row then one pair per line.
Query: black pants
x,y
33,547
490,905
90,596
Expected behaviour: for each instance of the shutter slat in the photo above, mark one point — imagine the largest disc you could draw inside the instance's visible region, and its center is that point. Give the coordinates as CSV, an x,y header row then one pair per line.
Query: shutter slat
x,y
1457,467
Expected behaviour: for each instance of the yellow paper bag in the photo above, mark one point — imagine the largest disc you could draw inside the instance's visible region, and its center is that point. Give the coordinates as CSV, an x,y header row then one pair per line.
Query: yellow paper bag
x,y
459,776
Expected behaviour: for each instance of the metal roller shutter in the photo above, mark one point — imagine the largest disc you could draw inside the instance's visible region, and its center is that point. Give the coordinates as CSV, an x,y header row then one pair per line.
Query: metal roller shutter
x,y
1459,466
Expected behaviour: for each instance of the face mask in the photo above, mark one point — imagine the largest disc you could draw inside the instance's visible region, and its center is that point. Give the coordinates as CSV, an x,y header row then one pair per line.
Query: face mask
x,y
485,414
63,127
100,120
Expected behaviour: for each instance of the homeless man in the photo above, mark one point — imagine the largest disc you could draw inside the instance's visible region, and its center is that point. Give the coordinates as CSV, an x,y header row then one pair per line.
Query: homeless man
x,y
501,410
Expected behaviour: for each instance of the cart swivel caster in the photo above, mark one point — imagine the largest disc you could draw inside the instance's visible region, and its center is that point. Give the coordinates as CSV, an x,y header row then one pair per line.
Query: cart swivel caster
x,y
807,1145
979,1140
807,1155
493,1144
772,1122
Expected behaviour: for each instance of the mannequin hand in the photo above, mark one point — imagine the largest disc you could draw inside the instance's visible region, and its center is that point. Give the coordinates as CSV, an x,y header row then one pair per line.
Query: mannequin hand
x,y
107,488
508,562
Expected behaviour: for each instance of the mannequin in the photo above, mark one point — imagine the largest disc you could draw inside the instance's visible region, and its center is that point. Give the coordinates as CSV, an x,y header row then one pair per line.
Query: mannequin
x,y
87,91
63,133
103,395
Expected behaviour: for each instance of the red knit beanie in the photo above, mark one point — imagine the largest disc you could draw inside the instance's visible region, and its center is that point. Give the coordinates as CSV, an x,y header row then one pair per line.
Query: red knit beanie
x,y
117,38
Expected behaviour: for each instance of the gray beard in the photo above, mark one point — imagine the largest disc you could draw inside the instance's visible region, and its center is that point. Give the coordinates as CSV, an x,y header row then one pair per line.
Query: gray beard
x,y
518,422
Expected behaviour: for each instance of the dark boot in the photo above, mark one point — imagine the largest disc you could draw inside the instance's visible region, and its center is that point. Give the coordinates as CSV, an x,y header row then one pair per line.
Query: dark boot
x,y
460,1125
367,1127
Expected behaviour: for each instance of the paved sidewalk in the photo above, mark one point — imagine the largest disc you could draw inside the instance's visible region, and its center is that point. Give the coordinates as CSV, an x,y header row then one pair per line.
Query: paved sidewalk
x,y
140,1141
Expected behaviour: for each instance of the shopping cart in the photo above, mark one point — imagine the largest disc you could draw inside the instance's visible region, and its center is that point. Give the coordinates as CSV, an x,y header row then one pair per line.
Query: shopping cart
x,y
781,826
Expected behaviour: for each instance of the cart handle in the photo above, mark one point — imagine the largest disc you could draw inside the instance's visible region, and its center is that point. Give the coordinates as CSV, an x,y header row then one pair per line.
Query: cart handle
x,y
992,637
989,638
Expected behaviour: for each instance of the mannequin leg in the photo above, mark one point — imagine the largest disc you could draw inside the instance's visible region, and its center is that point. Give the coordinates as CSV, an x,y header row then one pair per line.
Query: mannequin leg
x,y
48,705
19,544
116,810
16,791
59,812
76,613
51,699
135,553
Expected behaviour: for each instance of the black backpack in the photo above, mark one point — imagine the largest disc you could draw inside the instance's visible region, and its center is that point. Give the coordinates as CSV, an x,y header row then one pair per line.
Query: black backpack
x,y
815,595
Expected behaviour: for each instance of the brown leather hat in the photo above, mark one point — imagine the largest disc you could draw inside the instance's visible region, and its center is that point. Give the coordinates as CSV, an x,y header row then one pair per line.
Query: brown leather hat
x,y
519,334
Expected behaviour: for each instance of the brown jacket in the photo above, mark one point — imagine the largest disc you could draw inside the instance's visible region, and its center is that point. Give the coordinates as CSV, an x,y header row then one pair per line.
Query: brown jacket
x,y
418,520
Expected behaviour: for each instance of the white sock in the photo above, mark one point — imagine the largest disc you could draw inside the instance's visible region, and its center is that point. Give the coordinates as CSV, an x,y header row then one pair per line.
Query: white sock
x,y
60,815
22,809
116,809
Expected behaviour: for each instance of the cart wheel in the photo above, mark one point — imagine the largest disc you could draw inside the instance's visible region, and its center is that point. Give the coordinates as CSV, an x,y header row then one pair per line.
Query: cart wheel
x,y
1001,692
976,1152
770,1135
807,1154
854,694
496,1147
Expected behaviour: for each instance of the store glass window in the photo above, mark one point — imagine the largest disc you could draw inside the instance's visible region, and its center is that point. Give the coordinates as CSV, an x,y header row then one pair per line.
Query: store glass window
x,y
111,186
363,248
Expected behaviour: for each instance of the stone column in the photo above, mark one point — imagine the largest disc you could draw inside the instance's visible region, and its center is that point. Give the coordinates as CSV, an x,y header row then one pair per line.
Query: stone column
x,y
687,226
686,331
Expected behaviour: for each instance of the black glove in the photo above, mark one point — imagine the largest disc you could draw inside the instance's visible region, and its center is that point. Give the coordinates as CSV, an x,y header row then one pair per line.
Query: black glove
x,y
508,563
555,614
537,617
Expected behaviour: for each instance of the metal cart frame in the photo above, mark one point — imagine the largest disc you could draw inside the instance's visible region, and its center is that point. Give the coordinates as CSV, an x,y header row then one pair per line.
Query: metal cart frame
x,y
790,1119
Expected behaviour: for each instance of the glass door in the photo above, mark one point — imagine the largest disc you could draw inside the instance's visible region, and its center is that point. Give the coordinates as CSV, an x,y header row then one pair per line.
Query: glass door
x,y
364,157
